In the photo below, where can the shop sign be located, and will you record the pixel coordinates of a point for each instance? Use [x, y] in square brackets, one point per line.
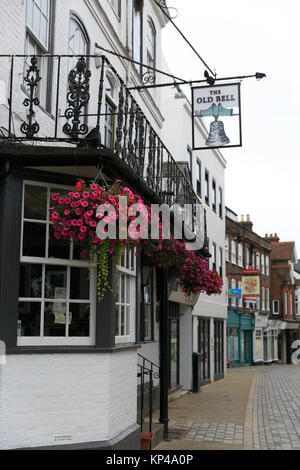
[219, 108]
[261, 321]
[251, 288]
[235, 293]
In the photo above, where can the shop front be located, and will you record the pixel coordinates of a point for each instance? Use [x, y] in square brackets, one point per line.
[204, 350]
[219, 349]
[266, 340]
[289, 333]
[239, 337]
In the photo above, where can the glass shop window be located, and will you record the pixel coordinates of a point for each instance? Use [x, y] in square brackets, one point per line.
[126, 298]
[57, 290]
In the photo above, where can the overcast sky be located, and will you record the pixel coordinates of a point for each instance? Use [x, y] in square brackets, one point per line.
[240, 38]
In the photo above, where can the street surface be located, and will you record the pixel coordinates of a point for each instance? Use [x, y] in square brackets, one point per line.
[252, 408]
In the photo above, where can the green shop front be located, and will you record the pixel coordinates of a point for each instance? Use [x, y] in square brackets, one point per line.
[240, 328]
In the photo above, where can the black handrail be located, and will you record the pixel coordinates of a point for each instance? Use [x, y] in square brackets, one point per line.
[147, 369]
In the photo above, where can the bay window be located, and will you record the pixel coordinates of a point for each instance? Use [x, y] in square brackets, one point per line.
[125, 298]
[57, 289]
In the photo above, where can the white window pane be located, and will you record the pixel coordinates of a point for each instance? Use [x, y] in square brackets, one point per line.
[44, 7]
[43, 31]
[29, 13]
[127, 321]
[36, 21]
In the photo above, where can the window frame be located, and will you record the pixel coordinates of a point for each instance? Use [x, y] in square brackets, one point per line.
[138, 67]
[116, 8]
[46, 261]
[151, 26]
[76, 18]
[198, 181]
[267, 265]
[130, 274]
[247, 257]
[227, 257]
[221, 262]
[214, 256]
[206, 188]
[233, 252]
[214, 195]
[45, 64]
[257, 264]
[220, 202]
[273, 307]
[267, 299]
[240, 255]
[263, 299]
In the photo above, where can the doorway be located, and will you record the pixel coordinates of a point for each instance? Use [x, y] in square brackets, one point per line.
[204, 350]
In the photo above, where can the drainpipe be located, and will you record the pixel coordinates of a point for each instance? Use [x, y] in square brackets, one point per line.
[164, 351]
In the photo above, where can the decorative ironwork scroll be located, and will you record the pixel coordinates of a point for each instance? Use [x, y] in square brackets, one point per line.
[149, 78]
[31, 79]
[78, 98]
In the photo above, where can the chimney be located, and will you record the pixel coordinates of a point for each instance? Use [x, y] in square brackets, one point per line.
[272, 238]
[247, 224]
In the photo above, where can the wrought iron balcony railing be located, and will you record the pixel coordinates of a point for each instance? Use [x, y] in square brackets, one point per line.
[95, 104]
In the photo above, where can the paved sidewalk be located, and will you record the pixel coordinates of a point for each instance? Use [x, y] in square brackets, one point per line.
[252, 408]
[215, 418]
[276, 413]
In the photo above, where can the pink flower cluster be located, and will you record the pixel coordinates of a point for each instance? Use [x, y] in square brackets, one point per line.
[74, 215]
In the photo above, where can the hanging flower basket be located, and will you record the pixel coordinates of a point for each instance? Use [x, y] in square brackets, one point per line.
[94, 217]
[75, 216]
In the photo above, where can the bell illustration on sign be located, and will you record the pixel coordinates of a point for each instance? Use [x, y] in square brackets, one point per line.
[218, 107]
[217, 134]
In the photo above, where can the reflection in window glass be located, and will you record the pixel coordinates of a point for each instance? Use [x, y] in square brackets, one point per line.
[56, 282]
[30, 281]
[35, 203]
[62, 289]
[79, 320]
[80, 284]
[34, 240]
[55, 319]
[29, 319]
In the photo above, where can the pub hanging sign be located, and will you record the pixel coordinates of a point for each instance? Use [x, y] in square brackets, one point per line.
[219, 108]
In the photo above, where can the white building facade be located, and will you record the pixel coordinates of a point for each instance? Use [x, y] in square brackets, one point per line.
[62, 386]
[203, 325]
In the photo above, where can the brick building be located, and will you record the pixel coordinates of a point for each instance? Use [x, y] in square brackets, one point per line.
[283, 259]
[250, 336]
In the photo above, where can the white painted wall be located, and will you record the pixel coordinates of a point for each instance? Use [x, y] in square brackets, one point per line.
[89, 397]
[104, 28]
[177, 134]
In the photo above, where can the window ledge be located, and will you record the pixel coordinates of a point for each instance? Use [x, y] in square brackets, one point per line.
[71, 349]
